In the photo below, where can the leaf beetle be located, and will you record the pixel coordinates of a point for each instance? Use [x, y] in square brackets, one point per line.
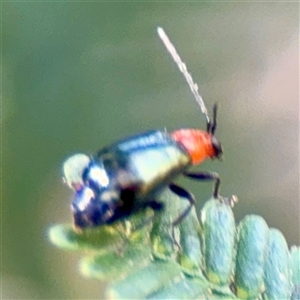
[127, 176]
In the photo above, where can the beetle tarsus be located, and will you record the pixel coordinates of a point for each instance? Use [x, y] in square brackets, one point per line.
[231, 201]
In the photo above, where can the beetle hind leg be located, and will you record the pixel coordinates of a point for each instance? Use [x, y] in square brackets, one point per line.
[155, 205]
[181, 192]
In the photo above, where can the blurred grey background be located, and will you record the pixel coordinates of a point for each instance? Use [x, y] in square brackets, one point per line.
[77, 76]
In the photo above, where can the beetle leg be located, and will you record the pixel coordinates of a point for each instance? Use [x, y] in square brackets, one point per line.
[181, 192]
[155, 205]
[211, 176]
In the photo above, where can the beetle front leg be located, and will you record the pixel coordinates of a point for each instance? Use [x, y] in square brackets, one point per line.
[207, 176]
[212, 176]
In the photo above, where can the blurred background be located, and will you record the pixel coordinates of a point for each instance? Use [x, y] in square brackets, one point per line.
[78, 76]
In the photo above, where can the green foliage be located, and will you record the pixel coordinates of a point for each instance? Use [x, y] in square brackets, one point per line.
[251, 249]
[218, 227]
[209, 259]
[295, 272]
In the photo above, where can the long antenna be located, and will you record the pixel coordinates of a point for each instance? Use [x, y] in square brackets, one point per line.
[183, 69]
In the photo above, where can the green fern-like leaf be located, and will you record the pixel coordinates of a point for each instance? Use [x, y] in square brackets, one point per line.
[209, 259]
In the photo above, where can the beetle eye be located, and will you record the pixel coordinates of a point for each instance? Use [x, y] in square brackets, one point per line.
[73, 168]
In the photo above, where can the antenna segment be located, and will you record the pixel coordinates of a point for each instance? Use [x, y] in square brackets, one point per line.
[183, 69]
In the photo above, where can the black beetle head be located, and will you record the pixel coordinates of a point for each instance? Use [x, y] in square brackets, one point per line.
[217, 147]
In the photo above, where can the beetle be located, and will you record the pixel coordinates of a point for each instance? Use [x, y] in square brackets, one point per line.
[127, 176]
